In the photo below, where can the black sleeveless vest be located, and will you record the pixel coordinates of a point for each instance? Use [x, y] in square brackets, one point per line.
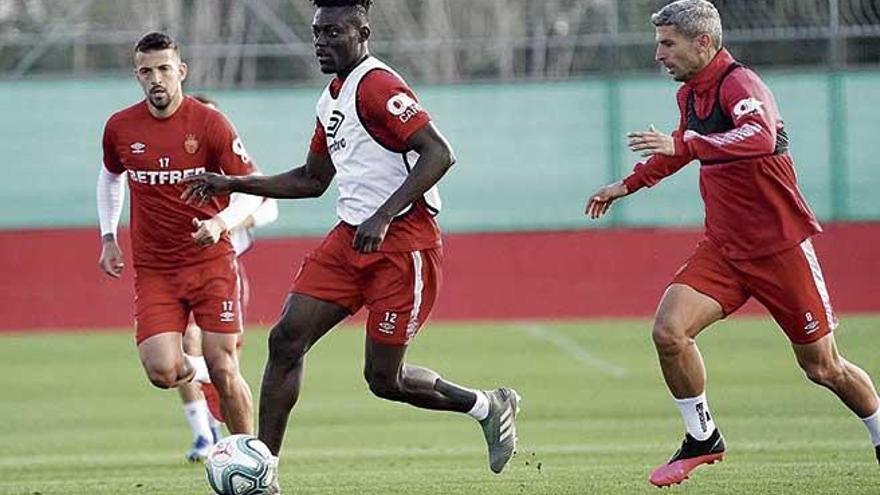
[718, 121]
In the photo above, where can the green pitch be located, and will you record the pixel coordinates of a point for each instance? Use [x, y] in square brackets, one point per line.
[77, 416]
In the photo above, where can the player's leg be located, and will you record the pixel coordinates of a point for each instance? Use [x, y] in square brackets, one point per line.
[682, 314]
[798, 299]
[400, 296]
[235, 395]
[162, 358]
[390, 378]
[823, 365]
[195, 408]
[160, 320]
[703, 292]
[303, 322]
[213, 293]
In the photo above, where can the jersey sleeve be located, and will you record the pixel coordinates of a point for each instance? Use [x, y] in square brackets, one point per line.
[755, 118]
[227, 149]
[318, 144]
[657, 167]
[389, 109]
[111, 158]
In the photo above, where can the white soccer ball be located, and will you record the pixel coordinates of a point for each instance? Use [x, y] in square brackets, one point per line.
[241, 465]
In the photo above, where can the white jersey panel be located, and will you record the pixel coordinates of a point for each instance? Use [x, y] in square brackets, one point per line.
[367, 173]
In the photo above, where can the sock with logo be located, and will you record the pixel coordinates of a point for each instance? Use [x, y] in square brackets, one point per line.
[197, 418]
[872, 423]
[697, 420]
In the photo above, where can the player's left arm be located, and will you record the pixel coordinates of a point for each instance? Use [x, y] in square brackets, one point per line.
[752, 108]
[232, 159]
[435, 158]
[264, 215]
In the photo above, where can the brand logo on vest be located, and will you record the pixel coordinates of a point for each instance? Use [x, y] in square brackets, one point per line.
[332, 129]
[336, 120]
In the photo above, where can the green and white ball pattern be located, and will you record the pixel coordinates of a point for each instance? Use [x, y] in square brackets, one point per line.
[240, 465]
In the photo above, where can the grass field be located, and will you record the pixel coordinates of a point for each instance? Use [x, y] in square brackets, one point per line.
[77, 417]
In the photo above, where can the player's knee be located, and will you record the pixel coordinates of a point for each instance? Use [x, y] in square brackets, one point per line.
[669, 337]
[827, 374]
[163, 377]
[285, 346]
[384, 385]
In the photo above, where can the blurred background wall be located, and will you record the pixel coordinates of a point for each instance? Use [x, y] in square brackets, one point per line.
[535, 96]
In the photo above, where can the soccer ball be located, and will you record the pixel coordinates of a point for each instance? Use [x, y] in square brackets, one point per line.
[241, 465]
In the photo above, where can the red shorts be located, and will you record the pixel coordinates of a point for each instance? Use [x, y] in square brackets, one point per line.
[398, 288]
[788, 283]
[165, 298]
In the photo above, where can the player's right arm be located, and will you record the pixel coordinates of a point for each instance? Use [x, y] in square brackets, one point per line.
[308, 181]
[667, 154]
[110, 196]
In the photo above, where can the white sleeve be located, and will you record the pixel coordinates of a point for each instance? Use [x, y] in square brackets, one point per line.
[266, 213]
[240, 207]
[110, 195]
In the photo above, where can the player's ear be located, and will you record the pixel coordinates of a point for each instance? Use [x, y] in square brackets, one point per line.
[704, 41]
[184, 70]
[365, 33]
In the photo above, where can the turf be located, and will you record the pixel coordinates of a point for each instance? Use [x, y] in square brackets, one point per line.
[78, 417]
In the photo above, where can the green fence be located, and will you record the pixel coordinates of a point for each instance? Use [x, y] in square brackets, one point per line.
[528, 153]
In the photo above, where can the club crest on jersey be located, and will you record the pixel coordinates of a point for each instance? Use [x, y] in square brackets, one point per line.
[138, 148]
[191, 144]
[403, 107]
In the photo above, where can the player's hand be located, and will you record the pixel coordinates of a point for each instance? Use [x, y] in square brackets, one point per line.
[601, 200]
[651, 142]
[201, 188]
[208, 232]
[371, 233]
[111, 261]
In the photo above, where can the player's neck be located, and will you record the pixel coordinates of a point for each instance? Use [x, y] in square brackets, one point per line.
[168, 111]
[350, 67]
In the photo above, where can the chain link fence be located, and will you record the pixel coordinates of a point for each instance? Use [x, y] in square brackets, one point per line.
[246, 43]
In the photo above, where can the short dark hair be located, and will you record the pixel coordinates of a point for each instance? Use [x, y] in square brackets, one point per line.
[364, 4]
[155, 41]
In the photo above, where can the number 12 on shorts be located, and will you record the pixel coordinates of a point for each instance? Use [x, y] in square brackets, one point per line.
[389, 323]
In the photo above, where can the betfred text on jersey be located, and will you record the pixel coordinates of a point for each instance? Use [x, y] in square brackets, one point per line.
[163, 177]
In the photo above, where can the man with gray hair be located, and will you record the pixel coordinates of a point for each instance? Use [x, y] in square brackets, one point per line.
[757, 231]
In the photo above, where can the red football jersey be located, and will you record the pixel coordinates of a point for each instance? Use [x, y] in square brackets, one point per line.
[417, 229]
[156, 154]
[754, 207]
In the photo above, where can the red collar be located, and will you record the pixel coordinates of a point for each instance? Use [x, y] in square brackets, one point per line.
[707, 78]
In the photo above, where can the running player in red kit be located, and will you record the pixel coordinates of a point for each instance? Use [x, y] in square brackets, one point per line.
[183, 258]
[758, 230]
[385, 253]
[201, 403]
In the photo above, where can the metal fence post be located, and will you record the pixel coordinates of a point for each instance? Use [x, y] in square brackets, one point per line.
[612, 117]
[837, 115]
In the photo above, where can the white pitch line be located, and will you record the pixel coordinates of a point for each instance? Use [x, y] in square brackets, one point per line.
[573, 349]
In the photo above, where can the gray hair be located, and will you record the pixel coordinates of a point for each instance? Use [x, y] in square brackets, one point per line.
[692, 18]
